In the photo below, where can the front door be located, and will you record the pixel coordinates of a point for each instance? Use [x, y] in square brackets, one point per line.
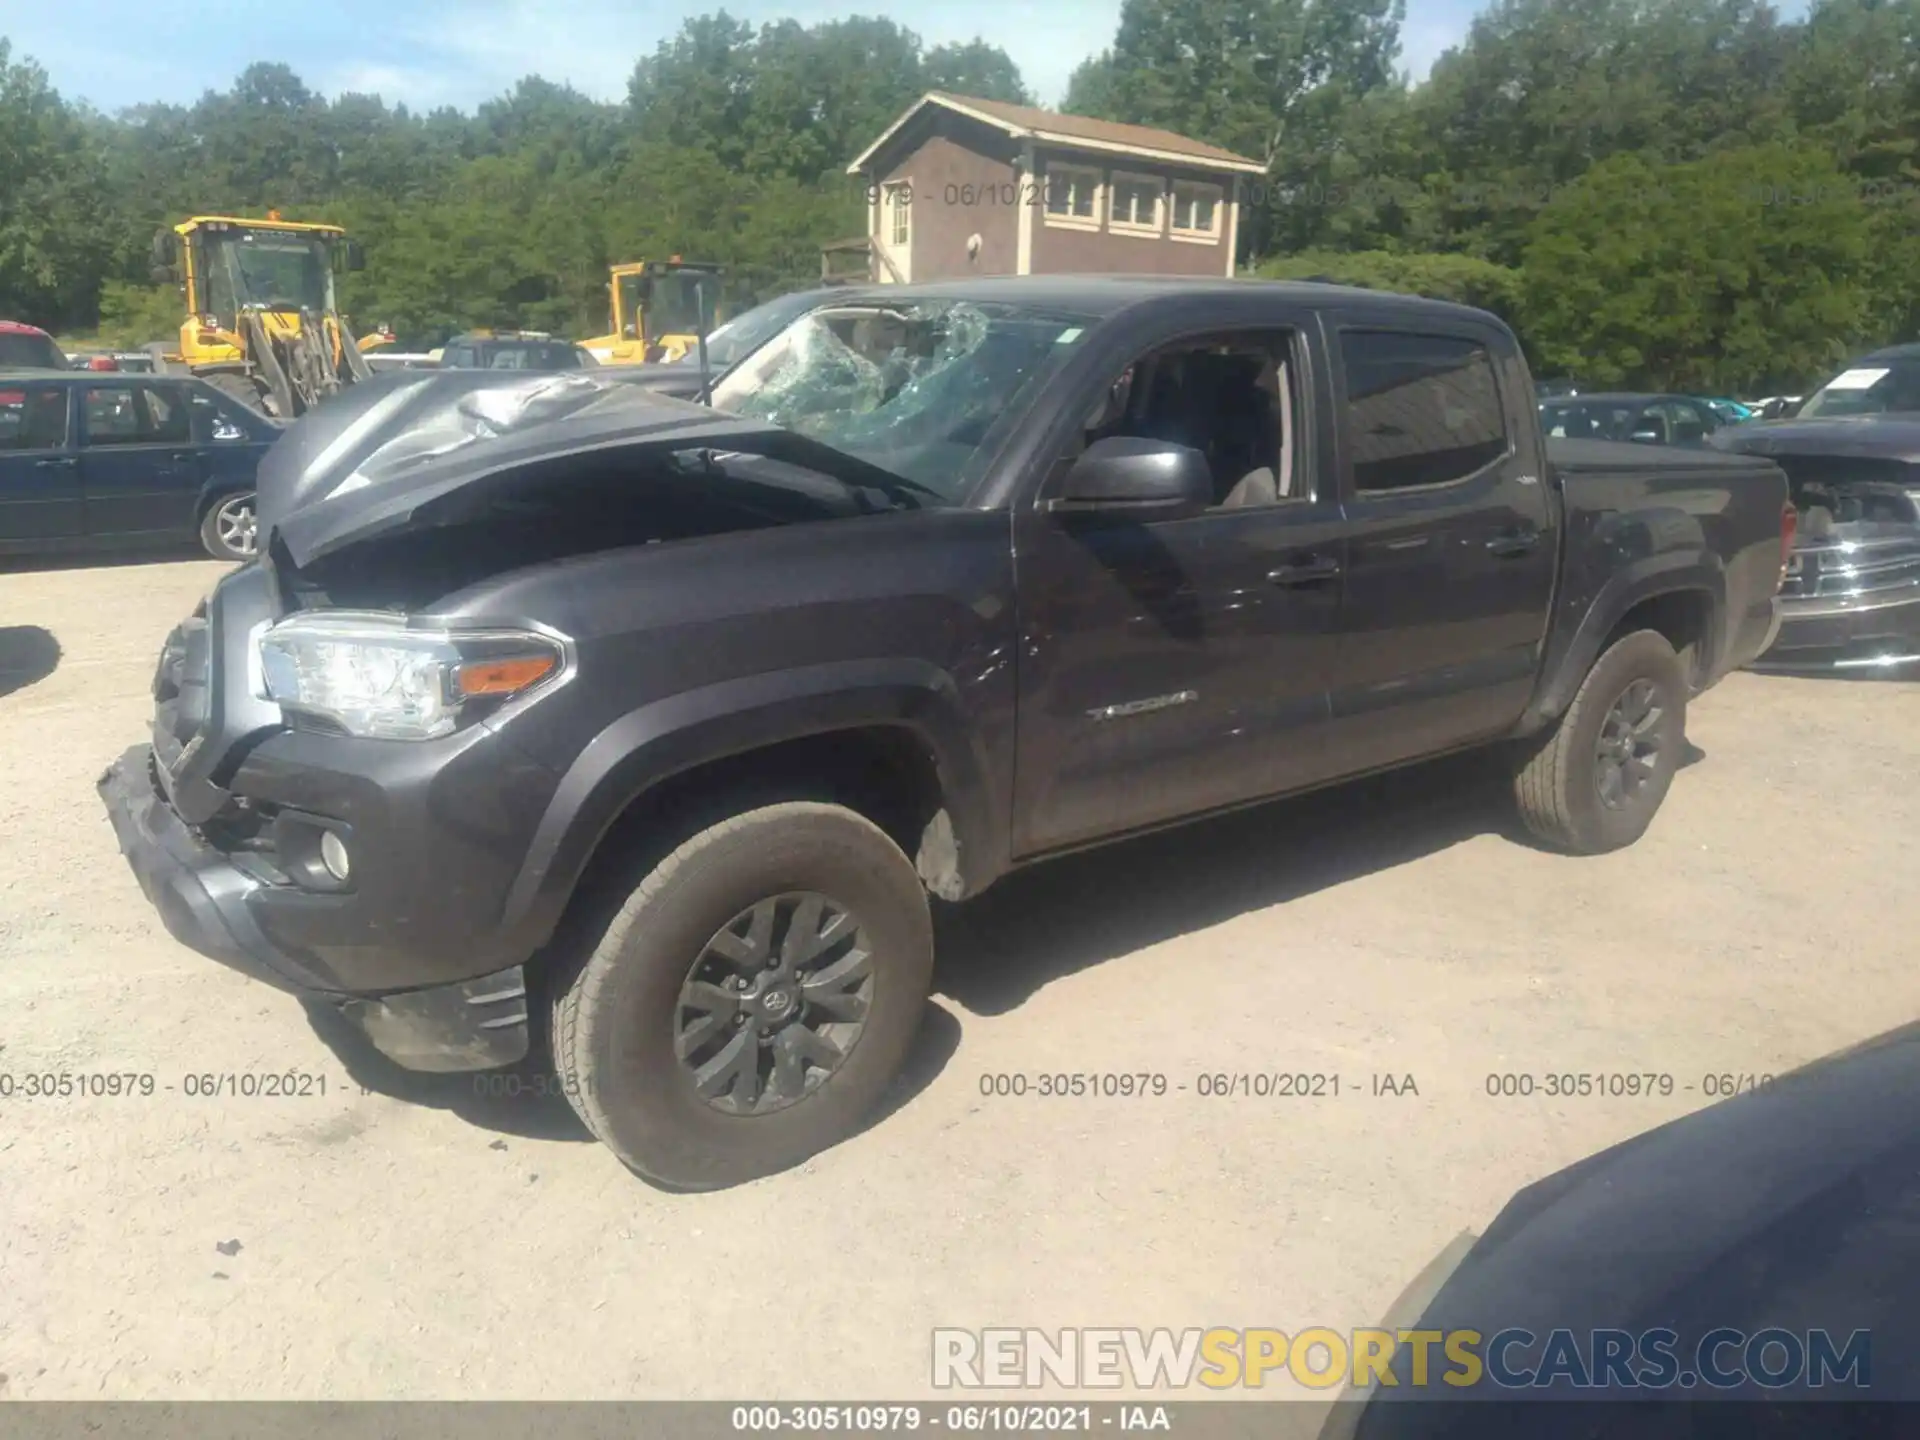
[39, 475]
[1451, 566]
[1173, 667]
[139, 466]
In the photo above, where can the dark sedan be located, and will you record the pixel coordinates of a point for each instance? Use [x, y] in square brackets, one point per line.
[1648, 419]
[100, 458]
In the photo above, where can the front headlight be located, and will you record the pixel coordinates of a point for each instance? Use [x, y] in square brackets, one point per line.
[382, 677]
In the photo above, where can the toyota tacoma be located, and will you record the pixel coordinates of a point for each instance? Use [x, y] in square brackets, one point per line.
[560, 718]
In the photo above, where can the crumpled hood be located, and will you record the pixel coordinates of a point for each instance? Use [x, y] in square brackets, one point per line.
[364, 462]
[1878, 437]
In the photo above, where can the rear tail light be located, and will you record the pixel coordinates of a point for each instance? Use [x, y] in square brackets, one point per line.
[1789, 529]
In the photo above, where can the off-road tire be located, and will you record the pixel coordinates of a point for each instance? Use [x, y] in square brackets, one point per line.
[612, 1019]
[239, 387]
[1557, 786]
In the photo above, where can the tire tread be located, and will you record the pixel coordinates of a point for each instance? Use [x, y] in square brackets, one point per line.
[1544, 786]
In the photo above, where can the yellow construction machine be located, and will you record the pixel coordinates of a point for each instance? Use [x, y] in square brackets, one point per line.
[261, 320]
[659, 308]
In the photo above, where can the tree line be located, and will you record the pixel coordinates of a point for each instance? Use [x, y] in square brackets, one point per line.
[1694, 194]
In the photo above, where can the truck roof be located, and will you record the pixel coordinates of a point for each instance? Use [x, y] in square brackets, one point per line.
[1103, 295]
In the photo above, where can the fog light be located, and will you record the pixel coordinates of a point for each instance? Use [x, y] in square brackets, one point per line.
[333, 855]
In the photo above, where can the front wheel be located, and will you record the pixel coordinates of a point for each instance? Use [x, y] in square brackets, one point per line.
[230, 530]
[1595, 783]
[752, 999]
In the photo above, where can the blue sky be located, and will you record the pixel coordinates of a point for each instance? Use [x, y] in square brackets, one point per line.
[115, 53]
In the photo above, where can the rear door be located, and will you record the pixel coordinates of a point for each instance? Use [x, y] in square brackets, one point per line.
[39, 475]
[140, 469]
[1450, 565]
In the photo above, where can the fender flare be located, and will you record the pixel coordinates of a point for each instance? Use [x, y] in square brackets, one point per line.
[671, 736]
[1696, 571]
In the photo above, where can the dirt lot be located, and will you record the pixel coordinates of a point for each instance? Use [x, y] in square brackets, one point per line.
[426, 1239]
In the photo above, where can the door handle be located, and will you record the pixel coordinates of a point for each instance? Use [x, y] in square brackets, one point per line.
[1514, 542]
[65, 463]
[1309, 571]
[189, 456]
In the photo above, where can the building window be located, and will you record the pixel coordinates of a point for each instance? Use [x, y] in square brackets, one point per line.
[1138, 203]
[1073, 197]
[1196, 211]
[897, 203]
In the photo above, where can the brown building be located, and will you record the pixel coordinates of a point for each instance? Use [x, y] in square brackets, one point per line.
[958, 186]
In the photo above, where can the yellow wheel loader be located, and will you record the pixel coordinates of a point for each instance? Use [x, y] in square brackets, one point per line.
[657, 311]
[261, 320]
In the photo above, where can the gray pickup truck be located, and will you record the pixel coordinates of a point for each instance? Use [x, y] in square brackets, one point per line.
[556, 712]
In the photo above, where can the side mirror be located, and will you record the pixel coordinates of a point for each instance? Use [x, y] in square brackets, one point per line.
[356, 256]
[1145, 479]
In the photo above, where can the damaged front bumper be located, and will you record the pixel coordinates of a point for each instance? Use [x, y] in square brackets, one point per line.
[208, 904]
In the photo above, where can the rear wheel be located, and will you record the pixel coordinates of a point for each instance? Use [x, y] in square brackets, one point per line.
[1597, 781]
[752, 999]
[230, 530]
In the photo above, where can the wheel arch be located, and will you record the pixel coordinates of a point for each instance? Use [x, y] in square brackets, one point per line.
[886, 738]
[1683, 597]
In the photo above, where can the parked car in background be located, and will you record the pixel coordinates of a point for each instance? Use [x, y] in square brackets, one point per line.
[1851, 601]
[1643, 419]
[1885, 382]
[1554, 389]
[102, 459]
[1732, 412]
[946, 581]
[1777, 407]
[131, 362]
[513, 350]
[27, 347]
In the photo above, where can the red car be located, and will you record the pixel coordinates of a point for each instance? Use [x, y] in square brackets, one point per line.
[22, 347]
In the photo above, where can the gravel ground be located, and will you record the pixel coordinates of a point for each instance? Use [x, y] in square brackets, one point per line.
[427, 1239]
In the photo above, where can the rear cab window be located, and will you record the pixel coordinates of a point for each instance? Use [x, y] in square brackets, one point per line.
[1421, 410]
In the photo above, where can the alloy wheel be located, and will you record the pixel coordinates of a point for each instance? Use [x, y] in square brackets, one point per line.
[1627, 754]
[237, 526]
[775, 1003]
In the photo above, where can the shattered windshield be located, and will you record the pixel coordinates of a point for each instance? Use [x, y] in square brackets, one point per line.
[269, 269]
[745, 333]
[914, 389]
